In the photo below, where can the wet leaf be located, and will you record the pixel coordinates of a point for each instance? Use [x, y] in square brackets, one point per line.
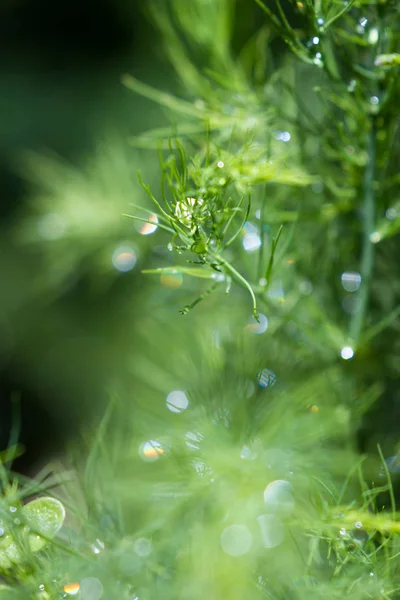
[41, 520]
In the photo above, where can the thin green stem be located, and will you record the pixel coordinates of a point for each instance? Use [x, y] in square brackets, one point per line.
[151, 212]
[240, 278]
[262, 235]
[389, 480]
[286, 31]
[225, 229]
[385, 322]
[189, 307]
[367, 257]
[339, 14]
[160, 225]
[274, 246]
[233, 238]
[270, 14]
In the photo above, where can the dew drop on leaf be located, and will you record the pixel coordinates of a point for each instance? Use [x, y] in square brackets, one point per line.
[272, 530]
[91, 588]
[278, 498]
[266, 378]
[177, 401]
[236, 540]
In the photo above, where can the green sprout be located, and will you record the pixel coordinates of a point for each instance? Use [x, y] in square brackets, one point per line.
[204, 213]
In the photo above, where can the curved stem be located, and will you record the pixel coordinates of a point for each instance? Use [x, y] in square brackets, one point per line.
[236, 275]
[367, 257]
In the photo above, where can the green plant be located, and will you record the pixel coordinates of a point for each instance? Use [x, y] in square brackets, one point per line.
[234, 470]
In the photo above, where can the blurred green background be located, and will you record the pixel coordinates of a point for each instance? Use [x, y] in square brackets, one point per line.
[68, 172]
[60, 70]
[71, 321]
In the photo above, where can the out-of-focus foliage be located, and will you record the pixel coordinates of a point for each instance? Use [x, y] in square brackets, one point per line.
[227, 463]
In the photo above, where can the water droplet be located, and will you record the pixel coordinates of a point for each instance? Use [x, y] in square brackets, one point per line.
[342, 531]
[41, 587]
[282, 136]
[320, 21]
[351, 281]
[257, 327]
[143, 547]
[247, 454]
[177, 401]
[347, 352]
[236, 540]
[315, 40]
[91, 588]
[193, 439]
[149, 228]
[219, 277]
[13, 509]
[72, 588]
[360, 27]
[1, 531]
[202, 469]
[278, 498]
[251, 242]
[373, 36]
[97, 546]
[372, 574]
[220, 164]
[170, 247]
[272, 530]
[17, 522]
[391, 214]
[318, 56]
[151, 450]
[318, 60]
[375, 237]
[352, 85]
[263, 282]
[374, 100]
[171, 279]
[266, 378]
[358, 524]
[124, 259]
